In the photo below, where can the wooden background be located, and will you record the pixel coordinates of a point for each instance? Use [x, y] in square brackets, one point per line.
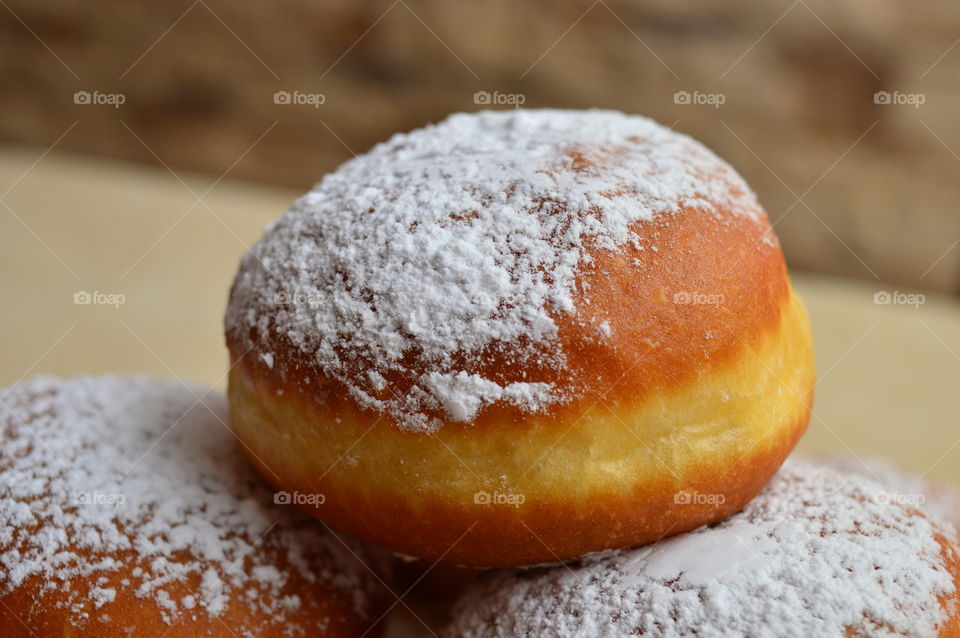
[855, 187]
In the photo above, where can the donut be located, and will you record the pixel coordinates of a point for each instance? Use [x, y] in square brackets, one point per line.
[127, 510]
[521, 336]
[817, 553]
[937, 499]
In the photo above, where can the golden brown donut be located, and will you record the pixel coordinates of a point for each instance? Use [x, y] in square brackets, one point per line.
[817, 553]
[516, 337]
[126, 510]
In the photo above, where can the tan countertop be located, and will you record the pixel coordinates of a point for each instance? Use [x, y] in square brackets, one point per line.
[890, 374]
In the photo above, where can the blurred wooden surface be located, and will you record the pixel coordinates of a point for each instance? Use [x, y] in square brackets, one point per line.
[857, 188]
[69, 225]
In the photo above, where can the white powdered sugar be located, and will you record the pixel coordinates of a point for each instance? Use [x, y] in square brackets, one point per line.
[938, 499]
[458, 244]
[818, 553]
[461, 395]
[117, 484]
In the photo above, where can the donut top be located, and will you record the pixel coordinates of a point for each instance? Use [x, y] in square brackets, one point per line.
[99, 475]
[937, 499]
[409, 266]
[816, 553]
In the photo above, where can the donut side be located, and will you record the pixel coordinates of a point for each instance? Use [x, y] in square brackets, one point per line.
[691, 357]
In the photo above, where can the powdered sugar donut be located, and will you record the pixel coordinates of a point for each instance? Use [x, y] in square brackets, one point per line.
[518, 336]
[818, 553]
[938, 499]
[127, 510]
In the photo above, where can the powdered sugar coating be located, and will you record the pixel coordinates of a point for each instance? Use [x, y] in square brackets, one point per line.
[936, 499]
[455, 243]
[98, 475]
[817, 553]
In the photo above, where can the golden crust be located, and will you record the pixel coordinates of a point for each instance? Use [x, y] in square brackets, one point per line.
[33, 611]
[951, 604]
[592, 476]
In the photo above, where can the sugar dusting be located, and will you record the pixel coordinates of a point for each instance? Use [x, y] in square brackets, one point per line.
[816, 553]
[130, 484]
[937, 499]
[459, 242]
